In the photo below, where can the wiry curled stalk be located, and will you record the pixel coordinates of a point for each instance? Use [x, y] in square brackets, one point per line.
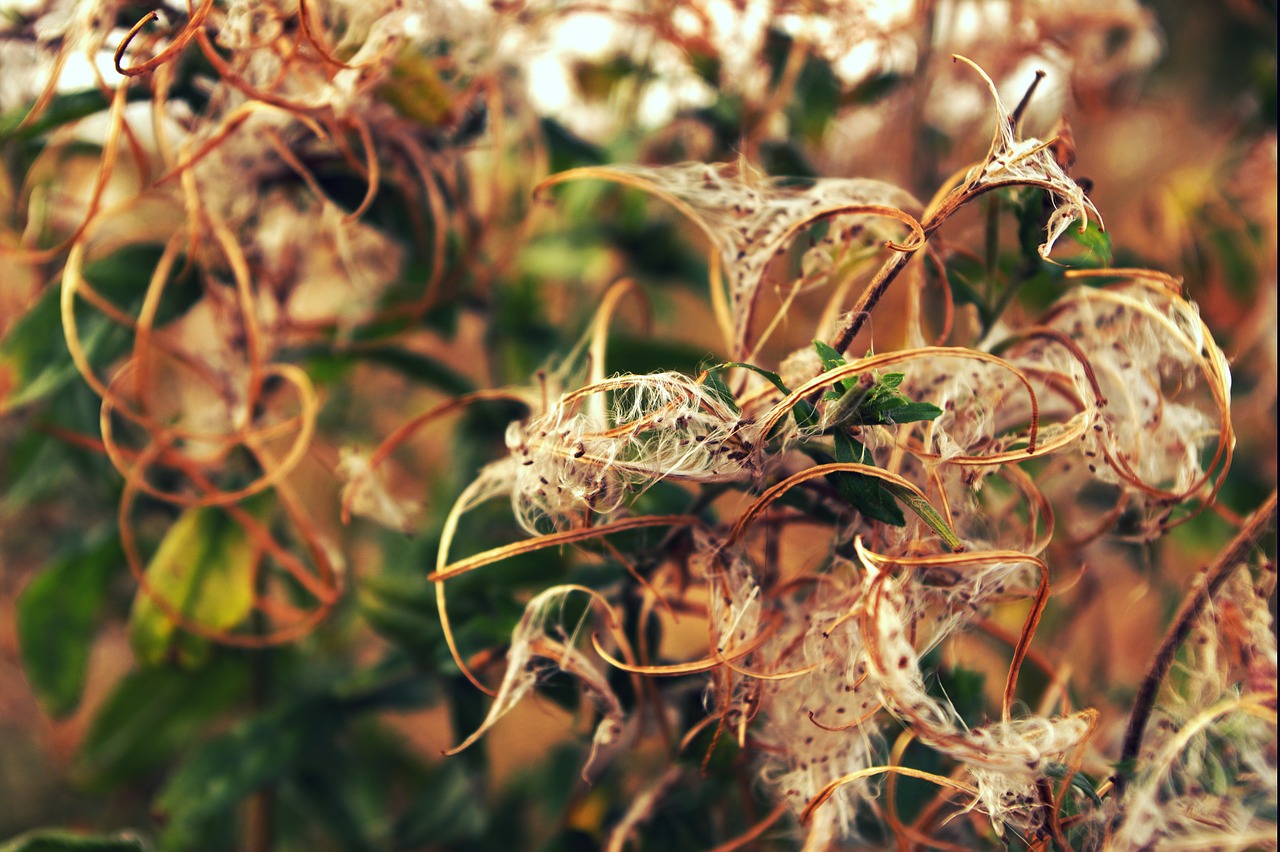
[1200, 595]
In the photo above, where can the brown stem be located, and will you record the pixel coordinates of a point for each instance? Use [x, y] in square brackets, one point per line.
[1021, 108]
[960, 196]
[1052, 822]
[867, 301]
[1201, 593]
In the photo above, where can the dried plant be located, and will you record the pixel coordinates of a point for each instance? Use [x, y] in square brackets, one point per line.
[282, 228]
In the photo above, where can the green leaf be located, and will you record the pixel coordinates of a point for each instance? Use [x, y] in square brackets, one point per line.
[774, 378]
[716, 386]
[326, 804]
[865, 493]
[566, 150]
[63, 109]
[61, 840]
[849, 402]
[415, 90]
[57, 618]
[927, 513]
[1096, 241]
[204, 568]
[597, 80]
[1082, 783]
[1078, 780]
[873, 88]
[878, 405]
[829, 356]
[965, 275]
[965, 690]
[890, 381]
[226, 769]
[633, 354]
[830, 360]
[818, 96]
[34, 359]
[874, 498]
[153, 713]
[448, 809]
[399, 609]
[910, 412]
[784, 158]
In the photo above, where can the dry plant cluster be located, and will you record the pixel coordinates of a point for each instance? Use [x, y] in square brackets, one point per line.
[845, 516]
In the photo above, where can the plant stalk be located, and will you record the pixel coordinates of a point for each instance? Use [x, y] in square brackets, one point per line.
[1192, 606]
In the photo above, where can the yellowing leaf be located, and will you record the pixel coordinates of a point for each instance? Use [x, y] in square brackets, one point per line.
[203, 570]
[416, 91]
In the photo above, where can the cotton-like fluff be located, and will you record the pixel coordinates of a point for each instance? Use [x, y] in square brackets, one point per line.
[596, 446]
[1004, 757]
[1166, 385]
[532, 653]
[803, 690]
[1029, 162]
[819, 723]
[751, 218]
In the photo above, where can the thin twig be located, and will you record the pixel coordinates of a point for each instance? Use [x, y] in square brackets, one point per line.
[1201, 593]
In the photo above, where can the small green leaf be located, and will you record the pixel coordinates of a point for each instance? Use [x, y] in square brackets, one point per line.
[874, 498]
[401, 608]
[805, 413]
[829, 356]
[57, 619]
[891, 381]
[567, 150]
[812, 113]
[204, 568]
[415, 90]
[1079, 780]
[597, 80]
[784, 159]
[34, 359]
[848, 405]
[716, 386]
[873, 88]
[635, 354]
[774, 378]
[61, 840]
[879, 405]
[63, 109]
[830, 360]
[965, 690]
[413, 365]
[1082, 783]
[1096, 240]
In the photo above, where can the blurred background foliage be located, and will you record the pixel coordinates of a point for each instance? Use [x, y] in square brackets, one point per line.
[114, 719]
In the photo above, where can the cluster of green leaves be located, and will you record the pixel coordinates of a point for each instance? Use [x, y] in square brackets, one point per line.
[870, 400]
[874, 400]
